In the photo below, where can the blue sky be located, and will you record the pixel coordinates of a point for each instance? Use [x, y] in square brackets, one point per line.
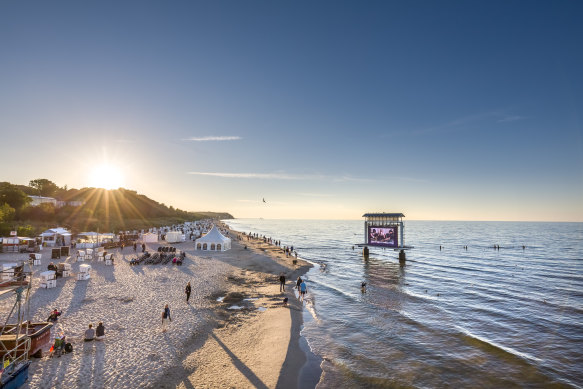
[458, 110]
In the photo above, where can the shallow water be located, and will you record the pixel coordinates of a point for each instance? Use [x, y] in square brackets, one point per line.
[452, 317]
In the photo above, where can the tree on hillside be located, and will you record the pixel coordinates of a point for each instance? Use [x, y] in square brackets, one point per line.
[44, 187]
[12, 196]
[6, 213]
[44, 212]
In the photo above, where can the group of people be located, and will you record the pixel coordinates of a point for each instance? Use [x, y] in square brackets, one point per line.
[95, 334]
[60, 344]
[300, 286]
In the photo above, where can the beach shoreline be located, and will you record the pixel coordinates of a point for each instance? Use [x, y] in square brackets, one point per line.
[207, 344]
[271, 344]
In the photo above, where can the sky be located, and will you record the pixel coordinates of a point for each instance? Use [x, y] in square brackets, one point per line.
[441, 110]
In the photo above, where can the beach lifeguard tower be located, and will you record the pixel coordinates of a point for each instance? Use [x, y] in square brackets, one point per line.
[384, 230]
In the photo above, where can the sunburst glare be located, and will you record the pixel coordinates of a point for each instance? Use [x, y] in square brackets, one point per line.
[106, 176]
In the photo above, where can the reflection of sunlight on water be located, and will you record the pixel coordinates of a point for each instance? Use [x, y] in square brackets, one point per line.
[310, 305]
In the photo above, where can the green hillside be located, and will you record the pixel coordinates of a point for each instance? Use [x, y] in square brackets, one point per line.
[101, 210]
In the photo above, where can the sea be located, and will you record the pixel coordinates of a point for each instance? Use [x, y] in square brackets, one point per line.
[457, 313]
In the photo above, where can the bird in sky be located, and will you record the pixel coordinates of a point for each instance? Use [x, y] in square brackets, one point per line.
[264, 200]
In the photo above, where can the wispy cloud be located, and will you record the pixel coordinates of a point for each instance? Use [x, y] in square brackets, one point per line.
[453, 125]
[264, 176]
[213, 138]
[511, 119]
[460, 124]
[282, 176]
[298, 177]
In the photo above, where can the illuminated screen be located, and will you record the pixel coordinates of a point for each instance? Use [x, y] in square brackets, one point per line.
[382, 236]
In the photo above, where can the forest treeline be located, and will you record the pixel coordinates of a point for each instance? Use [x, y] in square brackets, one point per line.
[100, 210]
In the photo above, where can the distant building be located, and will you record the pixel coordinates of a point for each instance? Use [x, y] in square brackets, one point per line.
[38, 200]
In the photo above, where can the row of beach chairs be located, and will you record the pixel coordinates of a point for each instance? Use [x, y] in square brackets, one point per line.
[156, 258]
[166, 249]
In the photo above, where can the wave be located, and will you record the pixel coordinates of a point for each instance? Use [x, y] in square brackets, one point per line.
[489, 345]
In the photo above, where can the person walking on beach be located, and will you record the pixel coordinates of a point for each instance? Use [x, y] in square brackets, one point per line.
[282, 282]
[166, 318]
[187, 290]
[298, 283]
[135, 247]
[303, 290]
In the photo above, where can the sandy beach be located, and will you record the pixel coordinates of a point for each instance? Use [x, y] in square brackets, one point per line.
[234, 333]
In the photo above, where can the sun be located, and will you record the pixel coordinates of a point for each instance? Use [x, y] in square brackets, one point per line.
[106, 177]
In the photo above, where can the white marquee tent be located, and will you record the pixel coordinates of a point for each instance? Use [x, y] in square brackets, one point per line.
[149, 237]
[174, 236]
[55, 236]
[214, 241]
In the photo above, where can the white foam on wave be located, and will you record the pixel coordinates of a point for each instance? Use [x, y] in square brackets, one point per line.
[221, 299]
[509, 350]
[235, 307]
[262, 309]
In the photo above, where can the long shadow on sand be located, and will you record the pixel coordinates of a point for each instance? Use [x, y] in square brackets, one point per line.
[87, 360]
[241, 366]
[107, 272]
[49, 296]
[291, 363]
[79, 293]
[190, 345]
[303, 372]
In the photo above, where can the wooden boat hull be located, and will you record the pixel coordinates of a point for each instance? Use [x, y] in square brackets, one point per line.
[39, 333]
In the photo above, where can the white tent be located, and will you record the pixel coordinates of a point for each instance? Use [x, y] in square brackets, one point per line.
[56, 235]
[174, 236]
[87, 240]
[149, 237]
[214, 241]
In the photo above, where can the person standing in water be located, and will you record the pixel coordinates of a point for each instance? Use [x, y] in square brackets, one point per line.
[298, 283]
[187, 290]
[303, 290]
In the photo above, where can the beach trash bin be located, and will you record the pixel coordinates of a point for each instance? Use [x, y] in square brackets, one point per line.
[55, 253]
[65, 251]
[80, 256]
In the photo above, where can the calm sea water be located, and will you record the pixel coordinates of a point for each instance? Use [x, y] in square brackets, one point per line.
[448, 318]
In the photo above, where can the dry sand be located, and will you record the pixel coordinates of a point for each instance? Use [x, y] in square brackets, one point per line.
[207, 344]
